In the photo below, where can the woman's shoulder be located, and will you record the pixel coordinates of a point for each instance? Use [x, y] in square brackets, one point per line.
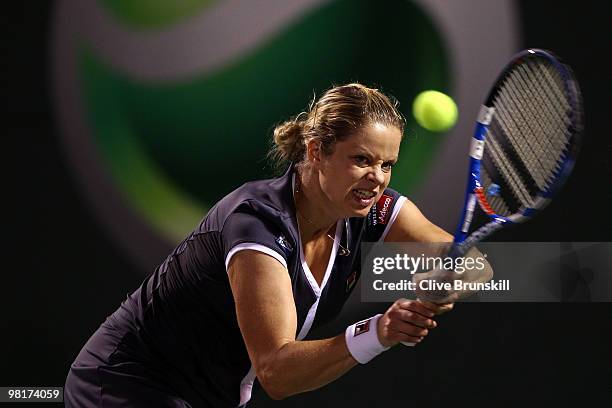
[265, 199]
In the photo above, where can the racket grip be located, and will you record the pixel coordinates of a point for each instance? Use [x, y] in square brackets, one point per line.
[407, 343]
[457, 250]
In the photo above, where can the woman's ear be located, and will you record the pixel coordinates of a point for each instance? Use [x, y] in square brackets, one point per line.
[313, 150]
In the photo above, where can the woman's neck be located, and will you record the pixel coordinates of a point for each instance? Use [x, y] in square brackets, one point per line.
[313, 216]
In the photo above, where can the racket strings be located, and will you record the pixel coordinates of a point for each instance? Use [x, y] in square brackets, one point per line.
[535, 143]
[524, 142]
[549, 90]
[554, 85]
[501, 161]
[566, 114]
[557, 115]
[530, 132]
[536, 110]
[547, 87]
[506, 124]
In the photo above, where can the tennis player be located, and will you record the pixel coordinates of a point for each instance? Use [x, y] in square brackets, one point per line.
[229, 309]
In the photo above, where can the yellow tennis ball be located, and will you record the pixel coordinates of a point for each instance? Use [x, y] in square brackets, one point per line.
[434, 111]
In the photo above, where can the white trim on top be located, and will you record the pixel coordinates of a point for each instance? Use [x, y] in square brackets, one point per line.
[330, 264]
[394, 214]
[317, 290]
[255, 247]
[246, 385]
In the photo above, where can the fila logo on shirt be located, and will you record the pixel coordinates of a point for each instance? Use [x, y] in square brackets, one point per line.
[382, 208]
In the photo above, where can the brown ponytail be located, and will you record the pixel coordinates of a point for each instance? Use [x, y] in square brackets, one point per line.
[289, 142]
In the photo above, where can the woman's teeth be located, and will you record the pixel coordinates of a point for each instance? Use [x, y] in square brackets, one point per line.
[365, 194]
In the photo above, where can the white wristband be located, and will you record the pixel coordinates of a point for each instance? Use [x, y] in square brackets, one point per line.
[362, 340]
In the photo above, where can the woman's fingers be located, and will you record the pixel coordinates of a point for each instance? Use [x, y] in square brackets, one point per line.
[437, 308]
[416, 306]
[405, 321]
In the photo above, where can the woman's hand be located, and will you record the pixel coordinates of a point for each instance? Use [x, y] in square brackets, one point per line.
[447, 294]
[407, 321]
[438, 308]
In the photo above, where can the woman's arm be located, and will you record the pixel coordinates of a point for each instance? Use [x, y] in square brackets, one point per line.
[267, 318]
[412, 226]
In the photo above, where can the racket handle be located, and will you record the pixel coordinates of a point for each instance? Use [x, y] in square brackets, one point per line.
[406, 343]
[457, 250]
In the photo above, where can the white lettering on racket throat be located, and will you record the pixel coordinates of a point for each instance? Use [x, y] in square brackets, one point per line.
[469, 213]
[485, 114]
[477, 148]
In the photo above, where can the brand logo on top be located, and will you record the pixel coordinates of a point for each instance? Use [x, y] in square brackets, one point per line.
[284, 244]
[382, 209]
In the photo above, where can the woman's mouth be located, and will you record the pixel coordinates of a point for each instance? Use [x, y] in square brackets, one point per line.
[364, 198]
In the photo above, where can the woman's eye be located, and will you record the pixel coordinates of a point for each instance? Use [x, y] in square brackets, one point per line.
[387, 166]
[361, 160]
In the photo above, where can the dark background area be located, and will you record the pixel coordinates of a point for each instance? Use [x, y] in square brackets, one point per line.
[62, 275]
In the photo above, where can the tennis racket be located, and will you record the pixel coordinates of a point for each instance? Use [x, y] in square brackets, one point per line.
[527, 137]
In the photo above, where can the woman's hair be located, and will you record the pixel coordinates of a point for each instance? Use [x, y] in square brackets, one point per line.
[339, 112]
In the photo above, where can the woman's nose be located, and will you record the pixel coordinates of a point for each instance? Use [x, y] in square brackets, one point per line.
[376, 175]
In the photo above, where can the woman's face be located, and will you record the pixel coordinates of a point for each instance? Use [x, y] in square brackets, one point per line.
[356, 174]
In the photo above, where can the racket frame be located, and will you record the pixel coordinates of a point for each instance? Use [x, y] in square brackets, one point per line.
[475, 192]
